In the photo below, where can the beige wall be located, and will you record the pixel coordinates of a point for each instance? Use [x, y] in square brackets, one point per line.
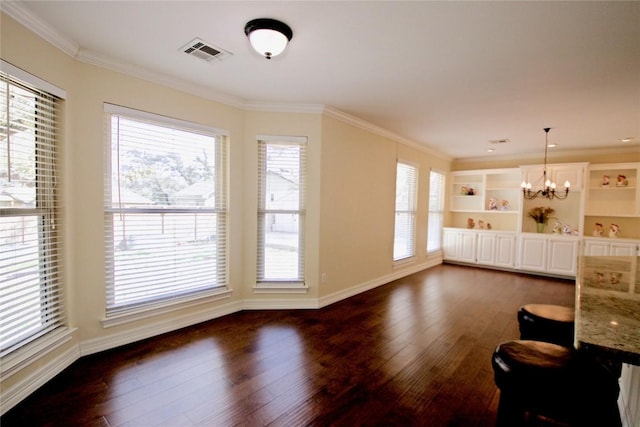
[349, 217]
[357, 204]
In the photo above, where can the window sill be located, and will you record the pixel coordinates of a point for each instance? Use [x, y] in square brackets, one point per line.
[280, 288]
[165, 307]
[404, 262]
[18, 359]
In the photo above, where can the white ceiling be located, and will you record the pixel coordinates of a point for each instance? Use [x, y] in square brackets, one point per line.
[449, 75]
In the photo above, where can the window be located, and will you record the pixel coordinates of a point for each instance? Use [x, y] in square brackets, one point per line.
[281, 196]
[31, 300]
[436, 211]
[405, 224]
[165, 210]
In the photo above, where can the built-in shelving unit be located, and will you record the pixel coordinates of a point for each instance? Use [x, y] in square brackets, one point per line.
[489, 197]
[511, 241]
[613, 198]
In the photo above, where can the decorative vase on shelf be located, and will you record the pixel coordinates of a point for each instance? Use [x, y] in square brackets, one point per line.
[540, 227]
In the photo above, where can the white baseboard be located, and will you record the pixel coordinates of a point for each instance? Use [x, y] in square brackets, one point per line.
[15, 394]
[363, 287]
[280, 304]
[96, 345]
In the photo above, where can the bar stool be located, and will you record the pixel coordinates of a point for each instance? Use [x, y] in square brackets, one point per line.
[541, 380]
[546, 322]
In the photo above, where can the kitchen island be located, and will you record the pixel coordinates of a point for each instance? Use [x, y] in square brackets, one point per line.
[608, 322]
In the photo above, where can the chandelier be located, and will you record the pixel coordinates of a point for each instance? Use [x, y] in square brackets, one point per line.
[549, 189]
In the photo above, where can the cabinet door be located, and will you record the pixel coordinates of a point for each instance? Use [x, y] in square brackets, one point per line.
[450, 245]
[572, 173]
[623, 249]
[596, 248]
[467, 245]
[505, 249]
[533, 253]
[486, 249]
[563, 256]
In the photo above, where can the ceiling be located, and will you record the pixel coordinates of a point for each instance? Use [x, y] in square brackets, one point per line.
[449, 75]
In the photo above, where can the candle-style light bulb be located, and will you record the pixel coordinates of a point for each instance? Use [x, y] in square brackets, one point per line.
[567, 184]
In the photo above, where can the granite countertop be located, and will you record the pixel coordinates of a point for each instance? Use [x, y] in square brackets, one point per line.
[608, 307]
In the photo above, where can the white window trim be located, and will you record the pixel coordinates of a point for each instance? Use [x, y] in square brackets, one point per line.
[166, 307]
[171, 121]
[35, 350]
[436, 252]
[127, 315]
[26, 77]
[402, 262]
[284, 286]
[49, 340]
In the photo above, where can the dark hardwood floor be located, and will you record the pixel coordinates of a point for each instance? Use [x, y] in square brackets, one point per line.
[414, 352]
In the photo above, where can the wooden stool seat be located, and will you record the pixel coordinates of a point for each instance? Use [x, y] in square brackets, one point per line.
[546, 322]
[539, 380]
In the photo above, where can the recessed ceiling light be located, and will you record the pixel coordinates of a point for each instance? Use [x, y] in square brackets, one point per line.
[552, 145]
[490, 150]
[627, 139]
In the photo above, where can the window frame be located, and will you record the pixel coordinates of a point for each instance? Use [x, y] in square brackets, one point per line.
[411, 209]
[275, 284]
[116, 314]
[52, 330]
[436, 211]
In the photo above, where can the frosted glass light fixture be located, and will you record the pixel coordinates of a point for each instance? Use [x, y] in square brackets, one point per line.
[268, 37]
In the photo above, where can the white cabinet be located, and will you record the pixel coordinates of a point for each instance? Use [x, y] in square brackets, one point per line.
[459, 245]
[598, 246]
[532, 253]
[562, 256]
[556, 172]
[548, 254]
[485, 247]
[601, 197]
[496, 249]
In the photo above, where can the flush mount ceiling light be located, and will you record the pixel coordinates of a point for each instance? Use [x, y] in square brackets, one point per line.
[549, 189]
[268, 37]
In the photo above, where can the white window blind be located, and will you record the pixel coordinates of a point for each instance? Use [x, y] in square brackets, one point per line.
[281, 196]
[165, 210]
[31, 299]
[436, 211]
[405, 223]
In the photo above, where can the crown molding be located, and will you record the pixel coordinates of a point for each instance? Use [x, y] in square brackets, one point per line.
[158, 78]
[362, 124]
[22, 15]
[283, 108]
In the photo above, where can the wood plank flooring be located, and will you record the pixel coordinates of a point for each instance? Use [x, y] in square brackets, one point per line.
[415, 352]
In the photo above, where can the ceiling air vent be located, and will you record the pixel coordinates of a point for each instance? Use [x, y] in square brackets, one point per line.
[499, 141]
[203, 50]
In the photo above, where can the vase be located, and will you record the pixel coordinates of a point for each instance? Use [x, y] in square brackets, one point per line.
[540, 227]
